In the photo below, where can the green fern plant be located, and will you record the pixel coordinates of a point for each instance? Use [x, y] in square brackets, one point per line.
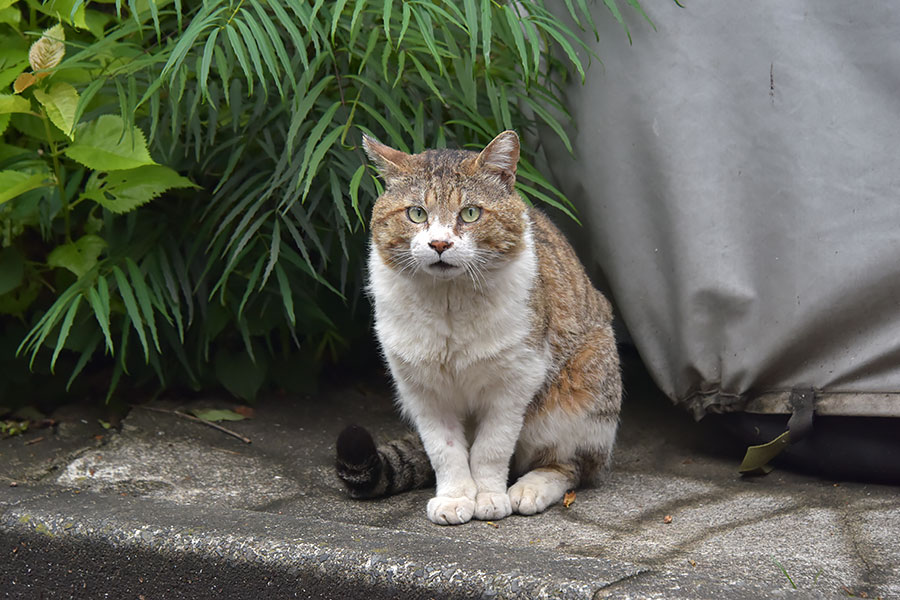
[246, 261]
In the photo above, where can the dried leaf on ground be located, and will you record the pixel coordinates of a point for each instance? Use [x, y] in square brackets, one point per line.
[569, 498]
[245, 411]
[667, 519]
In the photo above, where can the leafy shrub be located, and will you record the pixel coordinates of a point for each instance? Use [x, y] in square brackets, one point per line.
[182, 192]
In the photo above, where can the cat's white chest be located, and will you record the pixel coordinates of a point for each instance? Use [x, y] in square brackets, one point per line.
[448, 326]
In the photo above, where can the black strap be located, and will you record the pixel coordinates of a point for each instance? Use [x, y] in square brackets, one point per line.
[803, 406]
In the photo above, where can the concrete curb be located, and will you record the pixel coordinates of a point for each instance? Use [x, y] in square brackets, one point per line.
[310, 558]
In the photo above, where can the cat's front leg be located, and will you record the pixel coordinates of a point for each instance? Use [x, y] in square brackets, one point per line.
[445, 443]
[495, 440]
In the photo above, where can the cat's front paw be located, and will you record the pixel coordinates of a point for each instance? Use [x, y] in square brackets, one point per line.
[492, 505]
[444, 510]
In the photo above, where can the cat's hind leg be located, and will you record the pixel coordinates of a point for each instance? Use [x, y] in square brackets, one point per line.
[542, 487]
[570, 430]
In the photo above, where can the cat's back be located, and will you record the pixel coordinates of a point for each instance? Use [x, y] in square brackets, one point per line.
[564, 301]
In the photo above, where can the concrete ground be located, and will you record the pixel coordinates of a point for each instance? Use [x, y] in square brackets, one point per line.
[164, 507]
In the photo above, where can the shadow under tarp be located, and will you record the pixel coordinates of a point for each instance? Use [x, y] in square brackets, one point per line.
[738, 176]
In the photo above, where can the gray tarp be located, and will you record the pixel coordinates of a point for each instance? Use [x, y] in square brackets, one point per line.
[739, 181]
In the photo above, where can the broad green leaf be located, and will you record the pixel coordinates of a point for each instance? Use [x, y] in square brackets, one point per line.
[14, 104]
[63, 10]
[11, 16]
[240, 375]
[123, 191]
[60, 103]
[105, 145]
[13, 62]
[217, 414]
[20, 299]
[12, 269]
[79, 256]
[14, 183]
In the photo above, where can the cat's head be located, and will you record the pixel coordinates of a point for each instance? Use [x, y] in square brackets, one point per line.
[448, 213]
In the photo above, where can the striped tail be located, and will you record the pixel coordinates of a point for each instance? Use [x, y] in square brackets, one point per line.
[394, 467]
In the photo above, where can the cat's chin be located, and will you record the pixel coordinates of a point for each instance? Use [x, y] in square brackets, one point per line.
[443, 270]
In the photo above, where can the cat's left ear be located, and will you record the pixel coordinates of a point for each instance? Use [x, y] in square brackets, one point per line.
[501, 157]
[390, 162]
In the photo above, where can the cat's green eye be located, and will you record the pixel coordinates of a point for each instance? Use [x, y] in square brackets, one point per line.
[416, 214]
[470, 214]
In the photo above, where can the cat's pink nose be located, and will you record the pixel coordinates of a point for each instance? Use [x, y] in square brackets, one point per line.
[439, 245]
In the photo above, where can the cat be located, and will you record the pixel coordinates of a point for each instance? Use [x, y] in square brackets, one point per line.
[501, 350]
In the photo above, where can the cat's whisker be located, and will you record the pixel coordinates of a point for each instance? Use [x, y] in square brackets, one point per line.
[470, 271]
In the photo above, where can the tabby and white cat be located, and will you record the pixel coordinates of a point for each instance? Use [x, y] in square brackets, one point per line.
[501, 350]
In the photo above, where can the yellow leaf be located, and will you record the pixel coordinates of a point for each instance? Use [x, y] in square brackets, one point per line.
[23, 82]
[48, 52]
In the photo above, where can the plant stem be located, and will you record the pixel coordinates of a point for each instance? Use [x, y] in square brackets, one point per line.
[57, 169]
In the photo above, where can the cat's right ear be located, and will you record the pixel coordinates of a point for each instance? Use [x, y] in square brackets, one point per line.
[390, 162]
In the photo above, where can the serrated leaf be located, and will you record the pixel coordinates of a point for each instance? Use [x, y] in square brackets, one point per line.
[134, 314]
[79, 256]
[614, 9]
[123, 191]
[387, 11]
[215, 414]
[83, 360]
[287, 297]
[486, 32]
[106, 145]
[515, 27]
[142, 292]
[14, 104]
[14, 183]
[60, 102]
[101, 313]
[48, 51]
[64, 330]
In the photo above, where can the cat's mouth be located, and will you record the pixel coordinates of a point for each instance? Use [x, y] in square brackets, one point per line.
[442, 266]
